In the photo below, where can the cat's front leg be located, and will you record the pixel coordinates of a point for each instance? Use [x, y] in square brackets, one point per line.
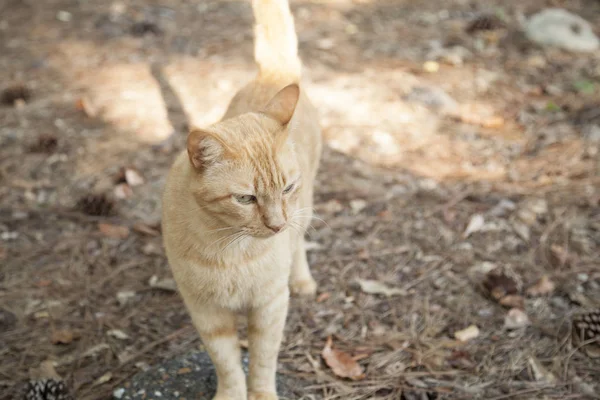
[217, 330]
[265, 331]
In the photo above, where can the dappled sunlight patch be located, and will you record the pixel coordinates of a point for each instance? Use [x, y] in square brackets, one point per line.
[399, 120]
[204, 88]
[128, 97]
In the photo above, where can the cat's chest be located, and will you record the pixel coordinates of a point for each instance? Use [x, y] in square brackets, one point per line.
[242, 282]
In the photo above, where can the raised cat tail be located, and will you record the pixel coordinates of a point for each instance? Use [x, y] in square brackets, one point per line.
[275, 41]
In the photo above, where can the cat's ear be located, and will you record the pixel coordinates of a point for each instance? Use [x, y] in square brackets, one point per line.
[282, 106]
[205, 148]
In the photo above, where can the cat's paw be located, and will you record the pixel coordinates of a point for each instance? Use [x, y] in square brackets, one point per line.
[305, 287]
[262, 396]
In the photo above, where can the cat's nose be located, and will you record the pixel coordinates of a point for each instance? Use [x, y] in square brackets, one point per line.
[276, 228]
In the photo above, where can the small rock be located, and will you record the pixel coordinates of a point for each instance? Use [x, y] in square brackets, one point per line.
[64, 16]
[560, 28]
[7, 320]
[151, 249]
[431, 66]
[9, 235]
[118, 393]
[433, 97]
[357, 205]
[516, 319]
[325, 43]
[122, 191]
[467, 334]
[124, 296]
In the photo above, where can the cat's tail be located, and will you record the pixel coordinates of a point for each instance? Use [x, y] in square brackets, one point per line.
[275, 41]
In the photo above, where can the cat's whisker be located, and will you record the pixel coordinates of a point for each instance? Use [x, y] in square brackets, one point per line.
[236, 240]
[296, 228]
[312, 217]
[223, 239]
[220, 229]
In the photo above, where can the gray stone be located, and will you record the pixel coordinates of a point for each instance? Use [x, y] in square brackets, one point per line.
[190, 377]
[433, 97]
[560, 28]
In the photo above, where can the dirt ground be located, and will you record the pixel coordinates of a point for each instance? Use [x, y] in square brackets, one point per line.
[452, 154]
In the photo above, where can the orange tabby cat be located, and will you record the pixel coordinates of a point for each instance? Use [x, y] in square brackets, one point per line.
[235, 209]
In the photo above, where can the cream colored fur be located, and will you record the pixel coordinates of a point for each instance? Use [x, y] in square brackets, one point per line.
[231, 252]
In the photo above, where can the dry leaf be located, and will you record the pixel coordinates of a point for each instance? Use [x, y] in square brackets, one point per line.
[494, 122]
[45, 370]
[540, 373]
[86, 106]
[475, 224]
[516, 319]
[145, 229]
[43, 283]
[543, 287]
[164, 284]
[376, 287]
[133, 177]
[118, 334]
[244, 343]
[113, 231]
[560, 253]
[364, 254]
[513, 301]
[103, 379]
[122, 191]
[464, 335]
[63, 336]
[342, 364]
[323, 296]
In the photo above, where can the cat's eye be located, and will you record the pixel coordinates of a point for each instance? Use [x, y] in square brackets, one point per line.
[245, 198]
[288, 189]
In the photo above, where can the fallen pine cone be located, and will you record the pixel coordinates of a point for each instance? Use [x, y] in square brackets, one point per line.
[501, 282]
[45, 143]
[13, 94]
[485, 23]
[95, 204]
[47, 389]
[586, 332]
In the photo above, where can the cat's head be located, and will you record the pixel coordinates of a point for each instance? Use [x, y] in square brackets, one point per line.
[245, 170]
